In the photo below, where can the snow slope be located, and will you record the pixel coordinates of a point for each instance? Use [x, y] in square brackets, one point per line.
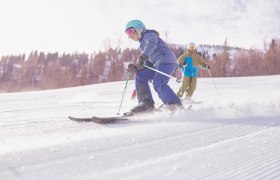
[233, 134]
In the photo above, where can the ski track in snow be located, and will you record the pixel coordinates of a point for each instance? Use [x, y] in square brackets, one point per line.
[231, 135]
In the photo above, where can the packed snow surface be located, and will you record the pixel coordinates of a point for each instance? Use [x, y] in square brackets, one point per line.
[233, 134]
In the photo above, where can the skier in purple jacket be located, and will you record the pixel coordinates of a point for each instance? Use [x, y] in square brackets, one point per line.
[156, 54]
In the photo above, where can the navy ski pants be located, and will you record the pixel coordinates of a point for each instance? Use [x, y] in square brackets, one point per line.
[165, 93]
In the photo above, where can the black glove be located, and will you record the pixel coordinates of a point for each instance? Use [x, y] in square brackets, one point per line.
[206, 67]
[131, 68]
[140, 61]
[180, 65]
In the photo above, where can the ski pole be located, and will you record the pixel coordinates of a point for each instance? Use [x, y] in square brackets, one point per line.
[177, 79]
[127, 78]
[213, 81]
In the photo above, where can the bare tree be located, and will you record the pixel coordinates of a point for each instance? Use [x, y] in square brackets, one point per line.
[166, 33]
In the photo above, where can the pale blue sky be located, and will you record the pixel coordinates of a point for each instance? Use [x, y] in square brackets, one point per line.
[84, 25]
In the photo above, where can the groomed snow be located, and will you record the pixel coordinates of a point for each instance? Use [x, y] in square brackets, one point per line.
[233, 134]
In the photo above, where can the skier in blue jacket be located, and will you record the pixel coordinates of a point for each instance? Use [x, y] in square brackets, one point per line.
[190, 63]
[156, 54]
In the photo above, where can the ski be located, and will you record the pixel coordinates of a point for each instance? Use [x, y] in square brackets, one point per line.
[100, 120]
[192, 102]
[127, 116]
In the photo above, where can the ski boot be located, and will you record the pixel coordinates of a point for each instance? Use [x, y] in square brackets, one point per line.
[171, 108]
[141, 107]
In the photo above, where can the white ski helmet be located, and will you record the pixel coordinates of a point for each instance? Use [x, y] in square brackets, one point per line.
[192, 46]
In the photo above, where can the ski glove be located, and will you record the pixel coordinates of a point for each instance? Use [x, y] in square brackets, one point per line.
[206, 66]
[131, 68]
[180, 65]
[140, 61]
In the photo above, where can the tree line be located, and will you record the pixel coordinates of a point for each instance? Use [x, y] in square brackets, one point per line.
[40, 71]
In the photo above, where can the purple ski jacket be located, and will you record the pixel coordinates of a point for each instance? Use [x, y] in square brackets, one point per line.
[156, 49]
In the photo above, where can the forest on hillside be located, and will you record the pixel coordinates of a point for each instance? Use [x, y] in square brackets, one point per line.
[40, 70]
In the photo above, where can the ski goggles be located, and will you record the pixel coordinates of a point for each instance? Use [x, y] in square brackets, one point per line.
[130, 32]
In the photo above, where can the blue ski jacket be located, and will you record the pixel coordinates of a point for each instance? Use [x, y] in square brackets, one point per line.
[190, 63]
[156, 49]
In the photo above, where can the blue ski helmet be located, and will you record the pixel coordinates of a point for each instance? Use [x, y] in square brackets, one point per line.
[137, 25]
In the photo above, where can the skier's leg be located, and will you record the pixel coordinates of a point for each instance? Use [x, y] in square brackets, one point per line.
[143, 90]
[180, 93]
[185, 84]
[165, 93]
[192, 86]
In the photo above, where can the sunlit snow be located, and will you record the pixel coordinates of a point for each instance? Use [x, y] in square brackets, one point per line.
[233, 134]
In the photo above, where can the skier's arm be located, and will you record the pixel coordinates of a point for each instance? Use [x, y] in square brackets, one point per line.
[181, 60]
[151, 40]
[201, 60]
[203, 63]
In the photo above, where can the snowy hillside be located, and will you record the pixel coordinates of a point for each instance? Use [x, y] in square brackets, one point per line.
[208, 52]
[233, 134]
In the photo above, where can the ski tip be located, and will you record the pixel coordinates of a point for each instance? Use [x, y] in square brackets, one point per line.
[79, 119]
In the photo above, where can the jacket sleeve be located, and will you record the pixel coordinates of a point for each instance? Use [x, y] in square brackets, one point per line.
[181, 59]
[201, 60]
[151, 40]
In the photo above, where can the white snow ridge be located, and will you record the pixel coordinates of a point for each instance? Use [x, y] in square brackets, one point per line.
[233, 134]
